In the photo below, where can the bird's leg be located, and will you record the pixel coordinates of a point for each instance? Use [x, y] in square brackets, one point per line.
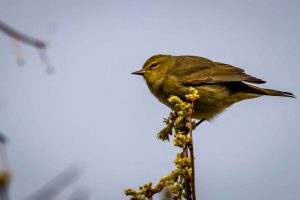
[199, 122]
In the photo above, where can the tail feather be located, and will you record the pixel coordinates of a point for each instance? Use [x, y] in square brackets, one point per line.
[278, 93]
[270, 92]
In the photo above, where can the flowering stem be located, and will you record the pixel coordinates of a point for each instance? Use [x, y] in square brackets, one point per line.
[187, 180]
[181, 181]
[192, 155]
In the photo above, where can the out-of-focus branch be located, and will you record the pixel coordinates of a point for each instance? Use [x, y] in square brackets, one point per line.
[4, 170]
[21, 36]
[56, 185]
[80, 194]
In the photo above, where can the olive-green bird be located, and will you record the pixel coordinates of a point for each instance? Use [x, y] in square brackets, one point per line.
[219, 85]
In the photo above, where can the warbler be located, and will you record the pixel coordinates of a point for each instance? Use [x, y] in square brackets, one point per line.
[219, 85]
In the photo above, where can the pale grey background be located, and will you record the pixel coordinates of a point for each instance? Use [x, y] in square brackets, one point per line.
[95, 113]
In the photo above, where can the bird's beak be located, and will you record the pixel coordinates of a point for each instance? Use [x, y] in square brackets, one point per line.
[139, 72]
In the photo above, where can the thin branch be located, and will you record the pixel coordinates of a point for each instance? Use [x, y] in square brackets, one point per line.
[56, 185]
[45, 61]
[187, 180]
[80, 194]
[22, 37]
[4, 170]
[18, 52]
[192, 155]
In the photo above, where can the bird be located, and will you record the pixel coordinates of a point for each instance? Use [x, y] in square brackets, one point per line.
[219, 85]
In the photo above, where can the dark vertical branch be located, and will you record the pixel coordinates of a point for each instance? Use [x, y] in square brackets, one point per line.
[191, 148]
[187, 180]
[4, 170]
[4, 193]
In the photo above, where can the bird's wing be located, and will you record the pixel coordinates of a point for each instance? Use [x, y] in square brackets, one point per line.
[192, 70]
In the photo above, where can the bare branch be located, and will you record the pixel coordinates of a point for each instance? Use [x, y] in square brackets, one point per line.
[22, 37]
[57, 185]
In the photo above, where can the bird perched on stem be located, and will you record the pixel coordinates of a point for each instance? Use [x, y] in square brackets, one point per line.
[219, 85]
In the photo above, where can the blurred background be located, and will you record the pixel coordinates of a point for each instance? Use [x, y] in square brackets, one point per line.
[93, 114]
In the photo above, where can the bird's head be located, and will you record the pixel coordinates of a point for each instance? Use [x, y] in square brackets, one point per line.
[156, 67]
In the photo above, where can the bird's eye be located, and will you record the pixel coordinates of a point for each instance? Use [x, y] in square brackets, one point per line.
[153, 65]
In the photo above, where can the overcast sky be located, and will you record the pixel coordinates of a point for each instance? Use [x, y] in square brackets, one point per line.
[93, 113]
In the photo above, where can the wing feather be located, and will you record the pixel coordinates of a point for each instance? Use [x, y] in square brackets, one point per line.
[193, 70]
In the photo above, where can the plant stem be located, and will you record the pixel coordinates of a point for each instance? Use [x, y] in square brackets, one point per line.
[187, 180]
[192, 155]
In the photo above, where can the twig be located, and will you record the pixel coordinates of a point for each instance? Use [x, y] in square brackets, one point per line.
[18, 52]
[56, 185]
[4, 170]
[80, 194]
[21, 37]
[187, 181]
[46, 62]
[192, 155]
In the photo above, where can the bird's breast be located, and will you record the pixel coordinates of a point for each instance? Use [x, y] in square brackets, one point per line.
[164, 87]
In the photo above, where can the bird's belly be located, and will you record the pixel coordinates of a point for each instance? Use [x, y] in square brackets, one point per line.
[214, 98]
[212, 101]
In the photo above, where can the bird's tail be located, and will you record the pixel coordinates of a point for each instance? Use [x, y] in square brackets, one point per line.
[264, 91]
